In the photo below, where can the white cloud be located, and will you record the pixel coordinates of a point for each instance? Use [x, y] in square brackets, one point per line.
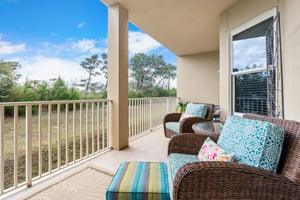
[45, 68]
[141, 43]
[249, 52]
[8, 48]
[80, 46]
[81, 25]
[84, 45]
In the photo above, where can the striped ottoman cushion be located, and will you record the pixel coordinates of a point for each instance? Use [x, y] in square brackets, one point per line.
[139, 180]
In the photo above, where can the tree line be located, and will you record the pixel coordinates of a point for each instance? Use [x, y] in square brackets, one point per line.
[149, 76]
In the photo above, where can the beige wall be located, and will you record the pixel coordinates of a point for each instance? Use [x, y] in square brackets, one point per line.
[242, 12]
[198, 77]
[292, 63]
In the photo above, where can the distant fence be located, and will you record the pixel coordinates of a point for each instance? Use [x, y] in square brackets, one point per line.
[146, 114]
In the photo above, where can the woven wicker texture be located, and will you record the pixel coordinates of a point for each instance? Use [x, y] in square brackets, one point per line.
[187, 123]
[230, 180]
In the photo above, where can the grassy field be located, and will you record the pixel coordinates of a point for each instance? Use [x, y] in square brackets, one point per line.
[9, 162]
[21, 137]
[21, 141]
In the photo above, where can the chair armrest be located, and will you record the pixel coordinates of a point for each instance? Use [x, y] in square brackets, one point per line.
[189, 143]
[172, 117]
[230, 180]
[187, 123]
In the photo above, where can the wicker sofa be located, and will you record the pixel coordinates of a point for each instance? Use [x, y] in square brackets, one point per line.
[231, 180]
[186, 124]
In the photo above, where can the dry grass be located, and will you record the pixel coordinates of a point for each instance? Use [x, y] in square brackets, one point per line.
[86, 127]
[21, 128]
[9, 162]
[137, 123]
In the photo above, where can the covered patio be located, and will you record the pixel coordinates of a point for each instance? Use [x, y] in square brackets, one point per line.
[201, 34]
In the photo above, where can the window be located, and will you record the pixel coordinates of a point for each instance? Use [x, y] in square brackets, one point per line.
[254, 68]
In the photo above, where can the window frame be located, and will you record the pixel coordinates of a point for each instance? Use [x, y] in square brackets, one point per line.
[270, 13]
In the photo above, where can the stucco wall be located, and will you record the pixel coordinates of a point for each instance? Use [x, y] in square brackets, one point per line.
[242, 12]
[198, 78]
[292, 63]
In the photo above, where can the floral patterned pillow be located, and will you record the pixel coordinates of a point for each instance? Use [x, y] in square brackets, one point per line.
[183, 116]
[210, 151]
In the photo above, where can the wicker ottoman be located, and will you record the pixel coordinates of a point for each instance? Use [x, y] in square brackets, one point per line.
[139, 180]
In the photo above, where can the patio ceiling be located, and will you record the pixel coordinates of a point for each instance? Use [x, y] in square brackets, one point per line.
[183, 26]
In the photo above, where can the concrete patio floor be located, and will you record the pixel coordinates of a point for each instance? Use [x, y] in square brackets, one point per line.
[151, 147]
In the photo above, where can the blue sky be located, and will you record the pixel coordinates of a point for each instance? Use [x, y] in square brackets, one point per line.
[249, 52]
[51, 38]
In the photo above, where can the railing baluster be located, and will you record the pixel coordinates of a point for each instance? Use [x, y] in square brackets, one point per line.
[139, 118]
[135, 117]
[58, 137]
[67, 134]
[129, 117]
[144, 115]
[98, 126]
[28, 145]
[156, 111]
[142, 111]
[50, 137]
[74, 132]
[107, 128]
[150, 114]
[93, 134]
[135, 121]
[87, 129]
[16, 116]
[102, 125]
[80, 129]
[1, 149]
[40, 140]
[167, 105]
[132, 117]
[140, 115]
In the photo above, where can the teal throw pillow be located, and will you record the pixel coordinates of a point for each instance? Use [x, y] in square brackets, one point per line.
[253, 142]
[199, 110]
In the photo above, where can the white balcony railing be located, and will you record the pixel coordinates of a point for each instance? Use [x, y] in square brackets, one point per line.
[39, 138]
[146, 114]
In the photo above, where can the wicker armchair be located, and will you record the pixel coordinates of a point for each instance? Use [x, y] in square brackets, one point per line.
[186, 124]
[230, 180]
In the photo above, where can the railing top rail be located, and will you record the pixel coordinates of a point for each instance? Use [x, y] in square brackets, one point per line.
[147, 98]
[73, 101]
[52, 102]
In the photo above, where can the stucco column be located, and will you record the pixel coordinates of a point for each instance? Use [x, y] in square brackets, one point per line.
[118, 75]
